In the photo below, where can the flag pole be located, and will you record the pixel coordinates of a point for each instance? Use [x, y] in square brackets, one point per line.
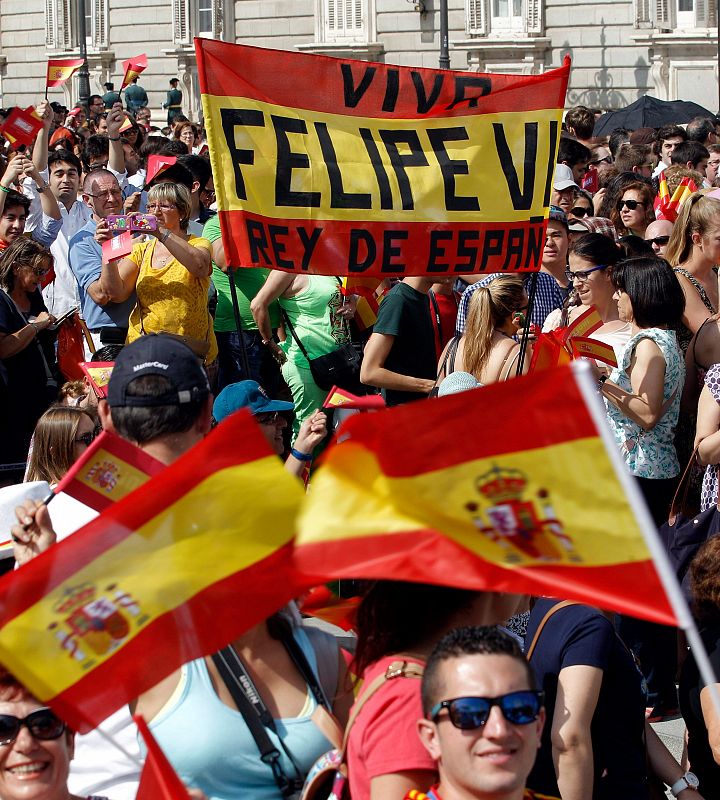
[526, 328]
[238, 323]
[668, 578]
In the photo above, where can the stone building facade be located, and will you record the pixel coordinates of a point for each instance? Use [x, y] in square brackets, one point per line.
[621, 49]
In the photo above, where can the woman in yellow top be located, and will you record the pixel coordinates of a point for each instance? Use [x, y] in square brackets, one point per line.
[170, 271]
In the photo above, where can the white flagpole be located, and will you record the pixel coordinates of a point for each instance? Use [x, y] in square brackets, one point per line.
[596, 407]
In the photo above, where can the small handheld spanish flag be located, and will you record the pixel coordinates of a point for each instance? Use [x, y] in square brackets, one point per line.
[133, 67]
[339, 398]
[60, 69]
[585, 347]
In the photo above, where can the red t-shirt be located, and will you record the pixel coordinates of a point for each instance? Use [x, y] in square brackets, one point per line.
[443, 317]
[384, 738]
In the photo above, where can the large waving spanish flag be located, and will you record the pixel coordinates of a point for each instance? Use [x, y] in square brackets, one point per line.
[534, 499]
[173, 571]
[336, 166]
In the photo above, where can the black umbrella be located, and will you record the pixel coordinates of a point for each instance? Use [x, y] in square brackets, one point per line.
[649, 112]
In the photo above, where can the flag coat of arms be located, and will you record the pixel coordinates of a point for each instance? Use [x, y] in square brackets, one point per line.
[533, 501]
[60, 69]
[173, 571]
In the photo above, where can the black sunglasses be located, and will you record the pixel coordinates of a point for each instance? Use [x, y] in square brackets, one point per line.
[86, 438]
[631, 204]
[469, 713]
[660, 241]
[42, 724]
[580, 211]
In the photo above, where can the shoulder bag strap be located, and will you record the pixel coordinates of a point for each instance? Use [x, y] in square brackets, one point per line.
[508, 362]
[449, 357]
[553, 610]
[227, 664]
[286, 320]
[398, 669]
[453, 352]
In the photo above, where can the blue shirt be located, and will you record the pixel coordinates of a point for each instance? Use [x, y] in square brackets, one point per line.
[549, 295]
[86, 264]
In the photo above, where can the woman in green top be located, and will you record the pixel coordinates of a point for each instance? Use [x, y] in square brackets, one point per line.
[318, 313]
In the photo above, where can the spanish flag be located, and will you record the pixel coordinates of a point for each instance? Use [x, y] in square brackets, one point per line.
[98, 375]
[158, 781]
[588, 322]
[584, 347]
[173, 571]
[339, 398]
[60, 69]
[107, 471]
[371, 292]
[133, 67]
[549, 351]
[535, 501]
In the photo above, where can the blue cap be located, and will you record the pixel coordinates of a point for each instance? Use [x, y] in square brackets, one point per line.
[246, 394]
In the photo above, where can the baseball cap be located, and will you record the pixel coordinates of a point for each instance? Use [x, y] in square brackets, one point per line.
[457, 382]
[157, 354]
[563, 178]
[246, 394]
[558, 215]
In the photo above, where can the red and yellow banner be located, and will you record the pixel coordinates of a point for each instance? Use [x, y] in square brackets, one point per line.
[533, 504]
[60, 69]
[107, 471]
[584, 347]
[168, 574]
[377, 170]
[339, 398]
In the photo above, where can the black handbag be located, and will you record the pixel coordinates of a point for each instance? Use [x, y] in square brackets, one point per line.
[683, 534]
[339, 368]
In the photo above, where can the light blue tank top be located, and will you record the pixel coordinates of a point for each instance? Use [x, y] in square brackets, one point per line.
[211, 747]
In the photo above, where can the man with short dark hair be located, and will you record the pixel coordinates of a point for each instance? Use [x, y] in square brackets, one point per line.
[574, 155]
[135, 96]
[111, 96]
[483, 716]
[96, 107]
[637, 158]
[580, 123]
[691, 155]
[702, 130]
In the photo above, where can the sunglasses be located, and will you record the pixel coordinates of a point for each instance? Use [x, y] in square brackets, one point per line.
[268, 419]
[42, 724]
[631, 204]
[660, 241]
[582, 276]
[469, 713]
[579, 211]
[606, 160]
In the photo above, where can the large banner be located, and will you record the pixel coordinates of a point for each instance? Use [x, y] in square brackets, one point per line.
[340, 167]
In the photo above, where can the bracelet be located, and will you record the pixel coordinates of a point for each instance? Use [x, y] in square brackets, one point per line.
[164, 237]
[34, 327]
[300, 456]
[114, 138]
[4, 189]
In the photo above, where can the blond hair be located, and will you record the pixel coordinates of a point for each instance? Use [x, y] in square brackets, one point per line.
[174, 193]
[490, 307]
[698, 214]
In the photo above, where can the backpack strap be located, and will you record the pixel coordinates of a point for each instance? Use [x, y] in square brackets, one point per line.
[398, 669]
[543, 621]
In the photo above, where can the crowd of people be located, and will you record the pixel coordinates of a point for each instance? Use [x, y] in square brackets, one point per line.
[439, 692]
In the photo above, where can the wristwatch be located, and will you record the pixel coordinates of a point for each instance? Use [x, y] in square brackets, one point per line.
[688, 781]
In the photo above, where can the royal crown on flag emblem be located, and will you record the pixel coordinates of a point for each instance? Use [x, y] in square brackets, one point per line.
[526, 529]
[94, 622]
[500, 485]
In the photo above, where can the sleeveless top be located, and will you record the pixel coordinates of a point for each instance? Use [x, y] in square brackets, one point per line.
[313, 316]
[211, 747]
[709, 496]
[650, 454]
[684, 334]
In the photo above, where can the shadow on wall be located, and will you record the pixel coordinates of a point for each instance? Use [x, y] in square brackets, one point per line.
[602, 94]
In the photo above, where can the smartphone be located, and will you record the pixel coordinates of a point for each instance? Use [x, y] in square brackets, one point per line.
[118, 222]
[143, 222]
[62, 318]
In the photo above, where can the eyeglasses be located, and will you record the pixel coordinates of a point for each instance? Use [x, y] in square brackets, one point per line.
[582, 276]
[106, 193]
[86, 438]
[660, 241]
[210, 192]
[606, 160]
[580, 211]
[631, 204]
[469, 713]
[160, 207]
[42, 724]
[268, 419]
